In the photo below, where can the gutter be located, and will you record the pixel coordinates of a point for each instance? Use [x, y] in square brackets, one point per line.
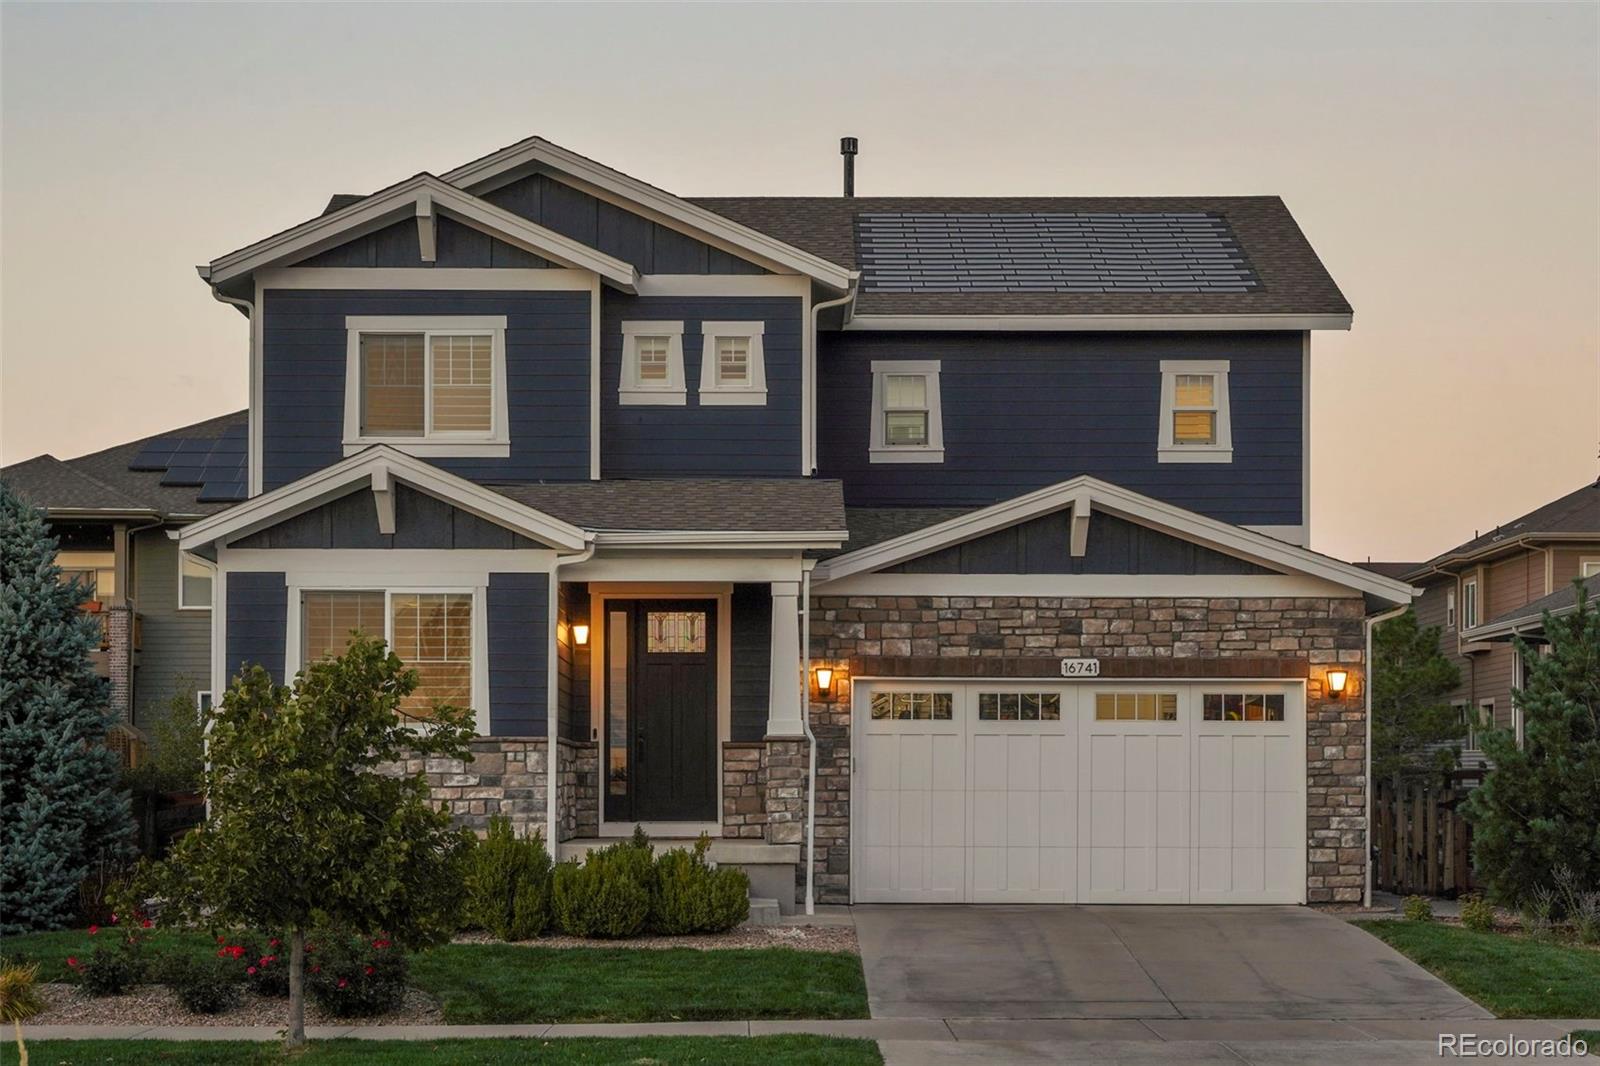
[809, 385]
[1371, 623]
[552, 719]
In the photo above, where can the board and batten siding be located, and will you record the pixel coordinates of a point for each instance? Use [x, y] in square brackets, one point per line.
[455, 246]
[547, 377]
[644, 441]
[175, 649]
[1025, 410]
[420, 521]
[258, 616]
[519, 653]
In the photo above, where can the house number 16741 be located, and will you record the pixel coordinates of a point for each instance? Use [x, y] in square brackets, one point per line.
[1080, 667]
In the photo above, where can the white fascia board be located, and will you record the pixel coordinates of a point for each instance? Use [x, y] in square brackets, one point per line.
[421, 194]
[537, 150]
[1104, 496]
[513, 279]
[1097, 323]
[765, 540]
[1083, 585]
[381, 462]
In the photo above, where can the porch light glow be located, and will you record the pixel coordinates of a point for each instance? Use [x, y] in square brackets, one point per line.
[580, 633]
[824, 680]
[1336, 682]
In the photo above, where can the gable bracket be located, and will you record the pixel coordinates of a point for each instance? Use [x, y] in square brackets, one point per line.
[1080, 525]
[383, 497]
[427, 231]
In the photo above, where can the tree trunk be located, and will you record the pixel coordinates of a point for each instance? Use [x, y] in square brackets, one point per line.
[296, 1035]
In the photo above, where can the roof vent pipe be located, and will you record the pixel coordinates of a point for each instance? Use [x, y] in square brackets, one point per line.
[848, 148]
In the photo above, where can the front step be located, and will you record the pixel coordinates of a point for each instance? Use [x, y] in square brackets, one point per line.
[763, 912]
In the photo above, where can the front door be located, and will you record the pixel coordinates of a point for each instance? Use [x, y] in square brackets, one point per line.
[668, 711]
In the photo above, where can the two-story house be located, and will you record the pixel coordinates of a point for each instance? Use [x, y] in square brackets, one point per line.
[1481, 592]
[932, 549]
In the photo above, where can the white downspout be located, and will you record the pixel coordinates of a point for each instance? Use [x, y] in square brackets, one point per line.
[811, 738]
[810, 384]
[1372, 623]
[552, 719]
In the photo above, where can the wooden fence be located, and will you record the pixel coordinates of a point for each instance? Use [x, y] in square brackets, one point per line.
[1423, 844]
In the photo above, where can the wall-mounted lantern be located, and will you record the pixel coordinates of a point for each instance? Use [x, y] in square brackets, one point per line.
[824, 676]
[1336, 683]
[580, 634]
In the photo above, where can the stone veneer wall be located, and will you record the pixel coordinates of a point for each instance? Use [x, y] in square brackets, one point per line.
[1023, 636]
[744, 789]
[578, 788]
[505, 776]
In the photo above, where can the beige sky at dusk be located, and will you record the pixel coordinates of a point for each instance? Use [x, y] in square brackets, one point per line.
[1443, 159]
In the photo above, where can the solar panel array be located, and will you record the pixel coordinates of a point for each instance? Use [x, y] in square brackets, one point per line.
[215, 464]
[1051, 252]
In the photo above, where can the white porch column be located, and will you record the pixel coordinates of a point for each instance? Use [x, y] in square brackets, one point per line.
[783, 696]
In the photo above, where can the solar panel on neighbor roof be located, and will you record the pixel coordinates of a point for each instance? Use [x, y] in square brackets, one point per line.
[215, 464]
[1051, 252]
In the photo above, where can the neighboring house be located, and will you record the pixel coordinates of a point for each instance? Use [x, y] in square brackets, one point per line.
[117, 522]
[1003, 499]
[1482, 591]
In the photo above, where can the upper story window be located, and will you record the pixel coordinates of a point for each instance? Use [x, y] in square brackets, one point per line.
[1196, 426]
[1588, 567]
[907, 424]
[430, 386]
[652, 364]
[194, 583]
[1469, 603]
[732, 366]
[1450, 609]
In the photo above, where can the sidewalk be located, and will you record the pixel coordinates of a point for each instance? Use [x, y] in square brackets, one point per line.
[906, 1041]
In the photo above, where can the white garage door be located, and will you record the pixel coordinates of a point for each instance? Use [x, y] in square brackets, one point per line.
[1116, 792]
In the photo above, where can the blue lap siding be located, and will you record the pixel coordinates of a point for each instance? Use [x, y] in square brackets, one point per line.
[1026, 410]
[258, 615]
[519, 654]
[694, 440]
[547, 377]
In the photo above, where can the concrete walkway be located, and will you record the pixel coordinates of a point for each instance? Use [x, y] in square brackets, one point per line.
[915, 1041]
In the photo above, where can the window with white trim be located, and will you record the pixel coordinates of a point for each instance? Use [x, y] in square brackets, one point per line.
[907, 422]
[1196, 423]
[1479, 720]
[202, 701]
[1469, 603]
[1450, 609]
[652, 364]
[1589, 566]
[732, 364]
[430, 386]
[430, 631]
[194, 583]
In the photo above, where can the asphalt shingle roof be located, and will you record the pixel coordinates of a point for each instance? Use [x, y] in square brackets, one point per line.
[44, 486]
[1560, 601]
[1289, 277]
[1576, 512]
[728, 504]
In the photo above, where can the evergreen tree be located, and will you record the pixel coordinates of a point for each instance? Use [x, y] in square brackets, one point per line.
[1539, 810]
[1412, 720]
[61, 805]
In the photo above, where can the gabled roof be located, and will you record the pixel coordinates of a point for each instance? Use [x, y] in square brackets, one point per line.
[536, 152]
[59, 486]
[418, 196]
[1059, 255]
[795, 507]
[1398, 571]
[378, 468]
[1529, 618]
[1575, 516]
[1085, 495]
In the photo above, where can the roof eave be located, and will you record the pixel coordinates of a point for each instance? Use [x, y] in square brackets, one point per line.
[1067, 323]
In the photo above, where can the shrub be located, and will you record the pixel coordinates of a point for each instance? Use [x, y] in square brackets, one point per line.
[1580, 904]
[204, 984]
[109, 970]
[264, 965]
[691, 896]
[356, 977]
[508, 883]
[1477, 914]
[607, 896]
[1418, 909]
[19, 998]
[1539, 913]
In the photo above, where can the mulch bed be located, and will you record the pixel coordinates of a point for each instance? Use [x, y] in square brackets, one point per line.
[158, 1005]
[799, 937]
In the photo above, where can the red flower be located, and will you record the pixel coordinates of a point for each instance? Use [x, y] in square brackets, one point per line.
[222, 940]
[343, 982]
[370, 971]
[93, 929]
[250, 969]
[147, 923]
[316, 969]
[264, 960]
[273, 942]
[380, 943]
[113, 919]
[72, 961]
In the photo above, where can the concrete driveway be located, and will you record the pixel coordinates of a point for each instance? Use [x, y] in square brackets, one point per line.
[1138, 962]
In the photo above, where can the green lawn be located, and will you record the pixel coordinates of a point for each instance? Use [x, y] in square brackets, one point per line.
[699, 1050]
[1512, 977]
[509, 984]
[506, 984]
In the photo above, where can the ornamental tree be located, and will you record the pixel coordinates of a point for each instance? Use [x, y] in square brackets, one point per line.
[1539, 810]
[307, 827]
[1412, 720]
[61, 805]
